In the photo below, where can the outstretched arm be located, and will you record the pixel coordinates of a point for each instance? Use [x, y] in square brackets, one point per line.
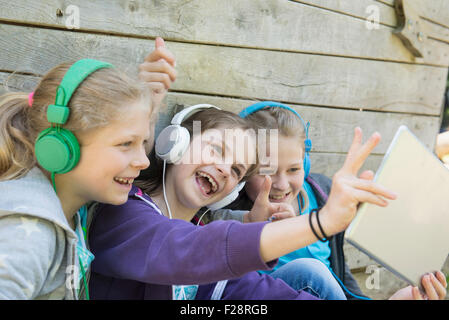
[348, 190]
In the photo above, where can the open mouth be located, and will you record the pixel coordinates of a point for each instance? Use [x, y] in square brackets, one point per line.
[124, 181]
[279, 198]
[206, 182]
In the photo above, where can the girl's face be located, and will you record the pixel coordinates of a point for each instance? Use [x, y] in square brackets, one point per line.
[111, 158]
[200, 181]
[288, 179]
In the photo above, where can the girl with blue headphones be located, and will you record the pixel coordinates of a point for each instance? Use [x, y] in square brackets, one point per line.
[320, 262]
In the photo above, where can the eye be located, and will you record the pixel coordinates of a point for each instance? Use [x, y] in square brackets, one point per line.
[237, 171]
[294, 170]
[126, 144]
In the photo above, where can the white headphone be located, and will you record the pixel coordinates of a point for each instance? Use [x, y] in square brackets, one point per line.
[174, 140]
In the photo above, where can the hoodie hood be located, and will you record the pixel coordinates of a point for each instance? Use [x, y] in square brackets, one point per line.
[32, 195]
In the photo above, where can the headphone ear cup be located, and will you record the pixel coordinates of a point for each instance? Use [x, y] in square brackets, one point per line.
[171, 143]
[57, 150]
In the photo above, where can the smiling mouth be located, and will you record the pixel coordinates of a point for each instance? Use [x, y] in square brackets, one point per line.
[124, 181]
[206, 182]
[279, 198]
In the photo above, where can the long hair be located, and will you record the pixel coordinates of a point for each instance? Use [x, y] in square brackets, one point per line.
[150, 179]
[286, 122]
[288, 125]
[97, 101]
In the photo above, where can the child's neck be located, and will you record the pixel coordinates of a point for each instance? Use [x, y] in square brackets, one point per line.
[177, 209]
[70, 205]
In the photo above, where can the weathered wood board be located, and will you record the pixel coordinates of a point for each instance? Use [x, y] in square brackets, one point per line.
[253, 24]
[289, 77]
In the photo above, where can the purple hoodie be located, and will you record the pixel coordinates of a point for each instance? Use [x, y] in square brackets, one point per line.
[139, 254]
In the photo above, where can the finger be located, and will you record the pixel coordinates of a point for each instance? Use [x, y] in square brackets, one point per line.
[157, 87]
[262, 197]
[282, 207]
[364, 196]
[417, 294]
[438, 286]
[440, 276]
[364, 152]
[367, 175]
[355, 145]
[359, 153]
[159, 42]
[161, 53]
[372, 187]
[161, 66]
[428, 287]
[282, 215]
[151, 77]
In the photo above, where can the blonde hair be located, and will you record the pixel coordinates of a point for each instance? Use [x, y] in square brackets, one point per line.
[286, 122]
[96, 102]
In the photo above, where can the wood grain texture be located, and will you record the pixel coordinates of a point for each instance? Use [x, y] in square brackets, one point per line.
[275, 25]
[246, 73]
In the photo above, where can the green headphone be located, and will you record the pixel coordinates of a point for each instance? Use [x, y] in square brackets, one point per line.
[57, 150]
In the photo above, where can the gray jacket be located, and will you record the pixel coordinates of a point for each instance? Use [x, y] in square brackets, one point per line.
[38, 257]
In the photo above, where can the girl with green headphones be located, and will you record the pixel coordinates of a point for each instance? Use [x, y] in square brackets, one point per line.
[80, 137]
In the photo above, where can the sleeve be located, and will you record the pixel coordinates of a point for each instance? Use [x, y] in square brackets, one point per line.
[227, 214]
[136, 243]
[27, 247]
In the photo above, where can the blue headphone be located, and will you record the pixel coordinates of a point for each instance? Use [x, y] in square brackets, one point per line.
[307, 142]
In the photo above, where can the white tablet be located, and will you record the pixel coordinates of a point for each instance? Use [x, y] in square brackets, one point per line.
[409, 237]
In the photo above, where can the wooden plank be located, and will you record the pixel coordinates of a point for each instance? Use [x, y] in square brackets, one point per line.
[329, 163]
[330, 130]
[362, 9]
[255, 24]
[236, 72]
[436, 11]
[17, 82]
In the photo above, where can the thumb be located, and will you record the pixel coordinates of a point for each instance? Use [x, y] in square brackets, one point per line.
[159, 42]
[264, 193]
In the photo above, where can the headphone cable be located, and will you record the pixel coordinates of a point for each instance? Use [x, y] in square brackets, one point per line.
[163, 187]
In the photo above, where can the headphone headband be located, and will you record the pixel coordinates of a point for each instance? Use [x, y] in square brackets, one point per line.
[307, 142]
[267, 104]
[187, 112]
[57, 150]
[58, 113]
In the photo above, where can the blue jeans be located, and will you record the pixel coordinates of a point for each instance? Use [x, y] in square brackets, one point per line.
[310, 275]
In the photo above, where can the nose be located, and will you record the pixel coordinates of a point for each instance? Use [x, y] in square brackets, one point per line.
[141, 160]
[224, 169]
[279, 181]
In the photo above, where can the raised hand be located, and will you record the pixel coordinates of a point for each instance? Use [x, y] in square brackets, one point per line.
[264, 210]
[348, 190]
[158, 70]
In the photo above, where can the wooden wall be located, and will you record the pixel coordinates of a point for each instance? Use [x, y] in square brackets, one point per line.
[318, 56]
